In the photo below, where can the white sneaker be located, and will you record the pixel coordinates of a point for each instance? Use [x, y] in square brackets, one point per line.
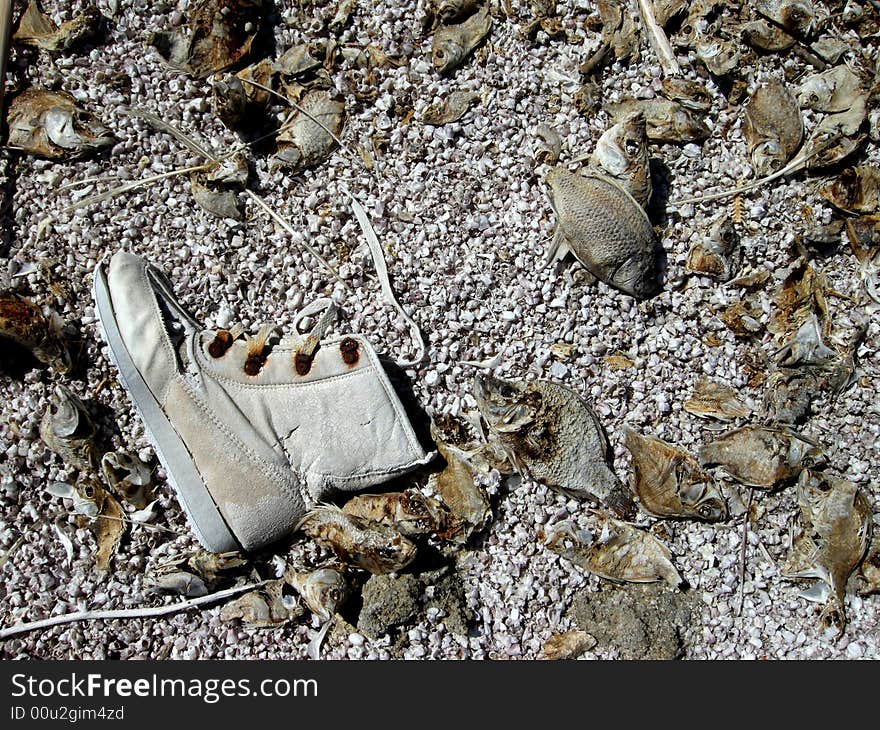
[251, 435]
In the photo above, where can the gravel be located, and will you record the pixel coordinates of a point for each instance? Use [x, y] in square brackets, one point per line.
[462, 213]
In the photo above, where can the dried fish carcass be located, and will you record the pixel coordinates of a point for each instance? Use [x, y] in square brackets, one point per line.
[690, 94]
[773, 127]
[451, 109]
[569, 645]
[670, 483]
[453, 44]
[607, 231]
[409, 512]
[855, 190]
[310, 134]
[720, 56]
[362, 543]
[834, 90]
[665, 120]
[444, 12]
[67, 429]
[796, 16]
[764, 458]
[128, 477]
[266, 607]
[836, 136]
[620, 32]
[466, 502]
[215, 188]
[837, 521]
[621, 552]
[324, 590]
[39, 332]
[714, 400]
[716, 254]
[765, 36]
[50, 124]
[622, 155]
[220, 34]
[552, 436]
[549, 145]
[35, 28]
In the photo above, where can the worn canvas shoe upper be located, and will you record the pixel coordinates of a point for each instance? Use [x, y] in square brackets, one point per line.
[250, 436]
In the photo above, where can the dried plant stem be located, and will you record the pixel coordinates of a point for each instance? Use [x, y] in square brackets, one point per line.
[127, 613]
[147, 525]
[742, 554]
[9, 553]
[5, 39]
[658, 39]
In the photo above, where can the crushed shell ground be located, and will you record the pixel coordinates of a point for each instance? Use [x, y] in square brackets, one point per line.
[462, 213]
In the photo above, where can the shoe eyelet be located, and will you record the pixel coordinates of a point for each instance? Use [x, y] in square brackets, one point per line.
[349, 350]
[302, 363]
[220, 344]
[254, 364]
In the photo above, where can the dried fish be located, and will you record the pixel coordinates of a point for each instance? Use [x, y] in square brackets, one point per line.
[620, 32]
[128, 477]
[790, 391]
[764, 458]
[665, 120]
[210, 566]
[267, 607]
[715, 254]
[215, 188]
[806, 346]
[362, 543]
[837, 520]
[67, 429]
[82, 494]
[670, 483]
[690, 94]
[801, 294]
[549, 145]
[342, 17]
[42, 333]
[773, 127]
[587, 98]
[743, 318]
[569, 645]
[220, 34]
[108, 526]
[714, 400]
[455, 486]
[453, 43]
[622, 155]
[607, 231]
[552, 436]
[855, 190]
[35, 28]
[409, 512]
[50, 124]
[796, 16]
[621, 552]
[310, 136]
[324, 591]
[765, 36]
[836, 137]
[451, 109]
[178, 582]
[869, 572]
[619, 361]
[833, 90]
[444, 12]
[720, 56]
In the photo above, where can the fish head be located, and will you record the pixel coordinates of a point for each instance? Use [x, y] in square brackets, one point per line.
[703, 500]
[768, 157]
[640, 276]
[624, 146]
[446, 55]
[502, 403]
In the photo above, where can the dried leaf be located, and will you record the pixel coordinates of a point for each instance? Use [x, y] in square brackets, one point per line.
[109, 528]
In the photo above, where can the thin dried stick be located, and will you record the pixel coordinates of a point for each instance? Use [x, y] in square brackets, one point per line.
[126, 613]
[742, 555]
[125, 520]
[5, 37]
[658, 39]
